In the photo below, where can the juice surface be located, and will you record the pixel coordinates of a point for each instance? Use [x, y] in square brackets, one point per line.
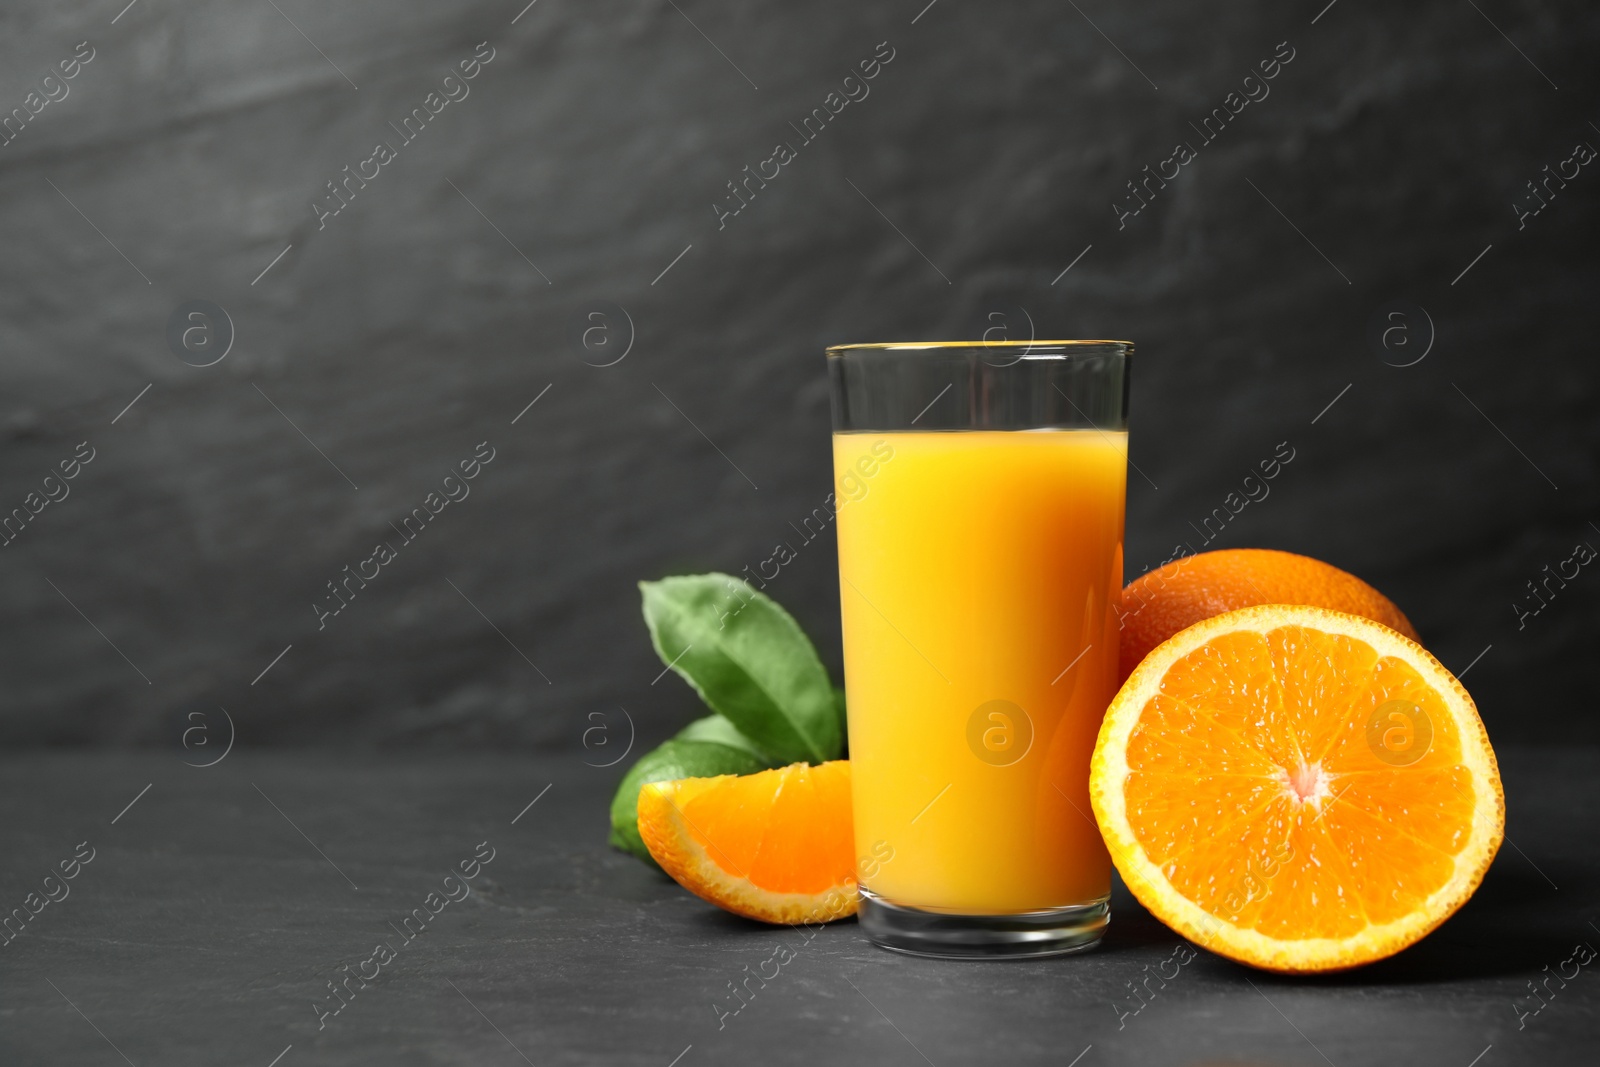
[980, 655]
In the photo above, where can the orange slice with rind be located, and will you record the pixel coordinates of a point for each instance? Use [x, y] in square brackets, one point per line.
[776, 846]
[1297, 789]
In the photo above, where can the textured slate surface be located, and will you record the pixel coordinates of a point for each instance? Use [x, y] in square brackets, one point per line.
[206, 926]
[189, 151]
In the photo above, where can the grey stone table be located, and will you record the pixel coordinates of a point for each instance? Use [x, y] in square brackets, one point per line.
[218, 907]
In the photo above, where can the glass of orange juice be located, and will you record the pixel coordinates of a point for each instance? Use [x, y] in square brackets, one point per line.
[980, 490]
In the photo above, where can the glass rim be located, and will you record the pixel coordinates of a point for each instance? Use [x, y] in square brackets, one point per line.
[900, 346]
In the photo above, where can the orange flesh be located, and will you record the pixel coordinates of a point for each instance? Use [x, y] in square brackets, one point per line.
[778, 830]
[1252, 766]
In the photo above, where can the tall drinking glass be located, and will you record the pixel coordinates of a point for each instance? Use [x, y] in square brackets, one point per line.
[980, 490]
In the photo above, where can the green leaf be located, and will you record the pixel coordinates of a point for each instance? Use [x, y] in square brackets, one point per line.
[749, 660]
[717, 729]
[673, 759]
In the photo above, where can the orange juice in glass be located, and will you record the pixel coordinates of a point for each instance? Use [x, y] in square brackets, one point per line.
[980, 491]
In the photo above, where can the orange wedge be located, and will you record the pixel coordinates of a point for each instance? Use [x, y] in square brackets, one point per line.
[1297, 789]
[775, 846]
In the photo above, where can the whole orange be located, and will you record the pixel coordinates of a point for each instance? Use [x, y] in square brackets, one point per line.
[1176, 595]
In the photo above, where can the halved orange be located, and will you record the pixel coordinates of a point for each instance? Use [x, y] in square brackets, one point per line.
[1297, 789]
[776, 846]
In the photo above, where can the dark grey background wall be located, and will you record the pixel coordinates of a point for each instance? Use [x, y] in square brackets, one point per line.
[579, 174]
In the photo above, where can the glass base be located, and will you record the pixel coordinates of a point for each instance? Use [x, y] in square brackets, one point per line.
[1025, 935]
